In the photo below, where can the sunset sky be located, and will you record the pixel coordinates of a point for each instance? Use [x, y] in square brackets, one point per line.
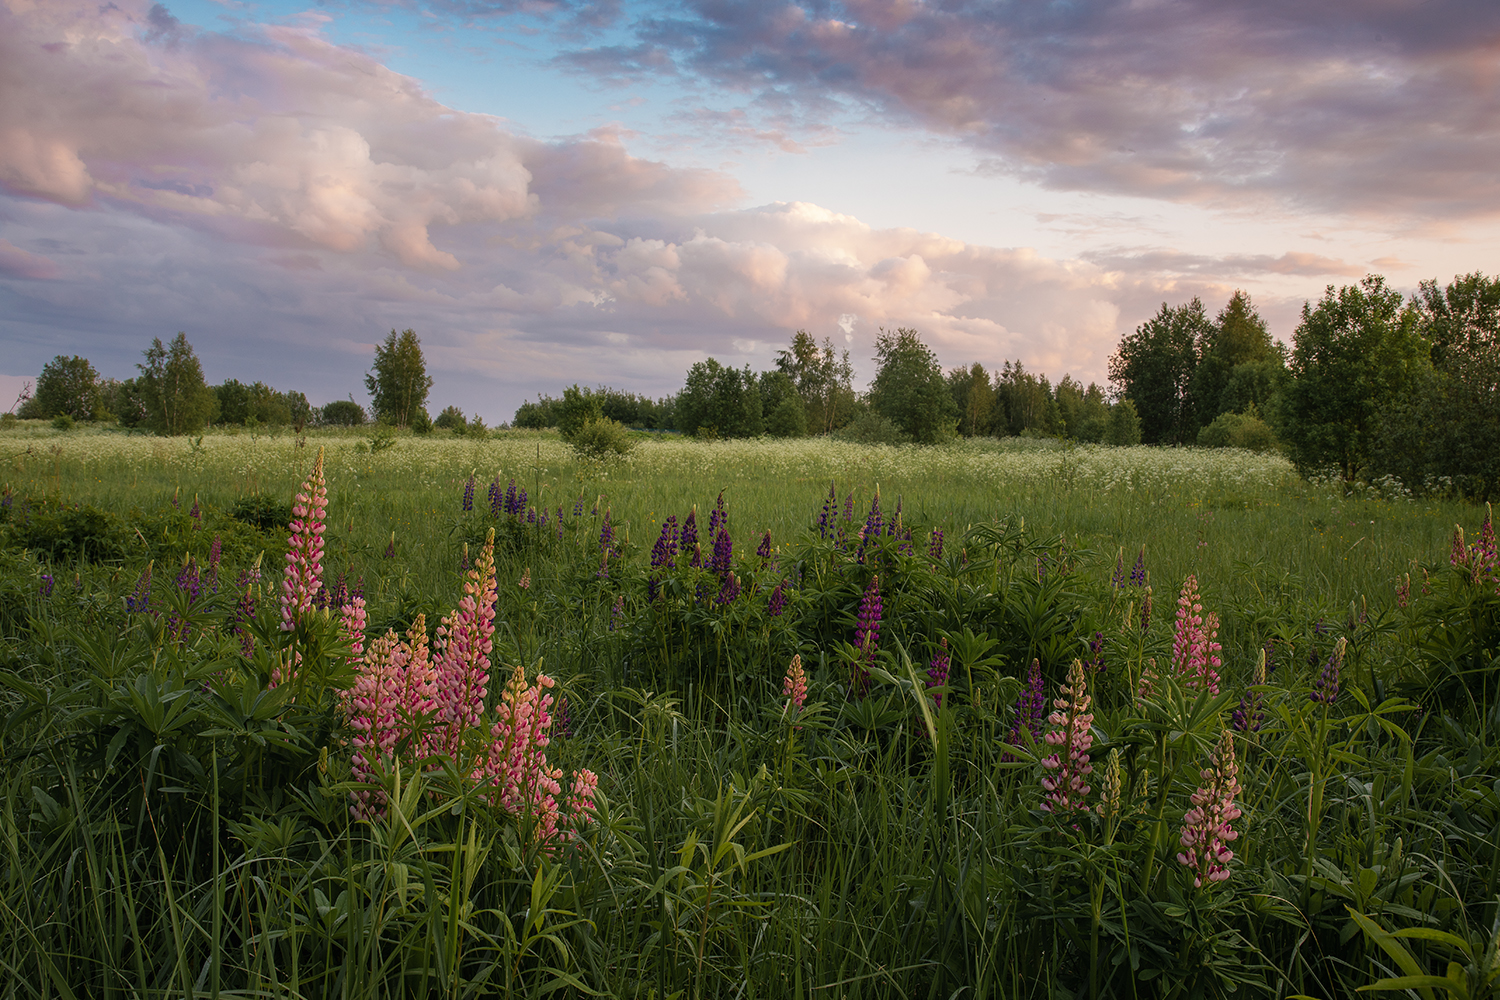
[607, 192]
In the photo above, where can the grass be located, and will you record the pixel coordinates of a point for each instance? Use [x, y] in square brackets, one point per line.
[172, 827]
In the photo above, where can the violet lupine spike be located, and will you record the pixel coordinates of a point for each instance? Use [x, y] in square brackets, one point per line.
[1195, 649]
[390, 550]
[578, 507]
[764, 549]
[1118, 580]
[1206, 829]
[719, 518]
[873, 522]
[697, 560]
[828, 513]
[1096, 653]
[304, 557]
[937, 671]
[45, 589]
[617, 613]
[495, 496]
[895, 526]
[1071, 732]
[690, 530]
[1251, 713]
[189, 581]
[469, 494]
[510, 497]
[729, 590]
[723, 556]
[777, 603]
[215, 556]
[564, 719]
[664, 552]
[849, 505]
[530, 514]
[1138, 571]
[1030, 709]
[794, 686]
[1326, 689]
[935, 545]
[196, 513]
[866, 637]
[606, 533]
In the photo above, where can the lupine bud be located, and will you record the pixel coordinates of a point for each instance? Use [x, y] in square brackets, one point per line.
[1326, 689]
[794, 687]
[777, 603]
[937, 671]
[1110, 791]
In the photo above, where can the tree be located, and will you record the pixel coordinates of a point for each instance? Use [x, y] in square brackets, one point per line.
[176, 398]
[398, 381]
[343, 413]
[823, 378]
[974, 398]
[1083, 411]
[1354, 356]
[909, 389]
[576, 408]
[1154, 367]
[719, 401]
[785, 413]
[452, 418]
[69, 386]
[1023, 402]
[1124, 427]
[1236, 338]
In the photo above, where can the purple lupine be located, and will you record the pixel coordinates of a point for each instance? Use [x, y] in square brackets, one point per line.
[189, 580]
[829, 511]
[559, 521]
[937, 671]
[606, 533]
[697, 560]
[1251, 713]
[730, 588]
[520, 499]
[495, 496]
[617, 613]
[719, 518]
[935, 544]
[510, 497]
[764, 549]
[866, 637]
[664, 552]
[578, 507]
[6, 500]
[469, 494]
[390, 550]
[849, 505]
[1326, 689]
[1138, 571]
[895, 525]
[530, 515]
[1031, 709]
[873, 520]
[196, 514]
[905, 548]
[1118, 580]
[723, 556]
[690, 530]
[777, 604]
[1096, 653]
[140, 598]
[653, 589]
[46, 585]
[562, 720]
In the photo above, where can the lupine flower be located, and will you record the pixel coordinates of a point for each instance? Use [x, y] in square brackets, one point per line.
[1096, 653]
[866, 636]
[196, 514]
[730, 589]
[617, 613]
[794, 687]
[140, 598]
[873, 522]
[6, 500]
[1459, 553]
[1070, 731]
[304, 557]
[1195, 650]
[1031, 707]
[764, 549]
[1138, 574]
[510, 497]
[935, 544]
[594, 512]
[895, 527]
[719, 518]
[390, 550]
[825, 516]
[564, 719]
[465, 639]
[189, 580]
[1403, 591]
[578, 507]
[530, 514]
[937, 671]
[521, 498]
[606, 533]
[1251, 713]
[723, 553]
[373, 706]
[849, 505]
[1206, 830]
[1111, 788]
[215, 555]
[46, 585]
[469, 494]
[1326, 689]
[515, 769]
[690, 530]
[525, 582]
[603, 571]
[905, 547]
[1118, 580]
[777, 604]
[697, 559]
[664, 552]
[495, 496]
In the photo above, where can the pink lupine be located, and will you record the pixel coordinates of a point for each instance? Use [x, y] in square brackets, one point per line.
[372, 706]
[794, 687]
[1195, 650]
[304, 557]
[464, 642]
[1206, 830]
[352, 619]
[418, 681]
[1072, 734]
[581, 798]
[515, 766]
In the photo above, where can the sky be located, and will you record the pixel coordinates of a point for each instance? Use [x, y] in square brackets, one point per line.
[606, 192]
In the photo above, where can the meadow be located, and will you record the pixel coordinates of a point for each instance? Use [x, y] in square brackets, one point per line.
[1015, 755]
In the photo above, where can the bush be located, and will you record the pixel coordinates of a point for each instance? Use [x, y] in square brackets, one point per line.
[1124, 427]
[263, 511]
[871, 428]
[1238, 430]
[600, 438]
[788, 419]
[62, 422]
[451, 419]
[343, 413]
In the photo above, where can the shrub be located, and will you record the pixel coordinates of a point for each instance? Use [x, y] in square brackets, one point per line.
[600, 438]
[263, 511]
[1124, 427]
[451, 419]
[62, 422]
[1238, 430]
[871, 428]
[343, 413]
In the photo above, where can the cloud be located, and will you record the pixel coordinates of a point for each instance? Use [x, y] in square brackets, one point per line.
[22, 264]
[1228, 267]
[1386, 110]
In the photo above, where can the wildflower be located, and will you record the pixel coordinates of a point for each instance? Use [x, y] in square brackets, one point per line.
[849, 505]
[1403, 591]
[937, 671]
[1096, 653]
[730, 588]
[304, 558]
[196, 514]
[777, 603]
[1326, 689]
[1071, 733]
[140, 598]
[617, 613]
[764, 549]
[866, 636]
[581, 798]
[215, 556]
[1195, 650]
[719, 518]
[935, 544]
[1206, 830]
[723, 553]
[578, 507]
[189, 580]
[514, 767]
[495, 496]
[1110, 789]
[794, 687]
[390, 550]
[1138, 575]
[465, 639]
[530, 514]
[606, 533]
[564, 720]
[525, 582]
[1251, 713]
[372, 706]
[46, 585]
[1118, 580]
[469, 494]
[1459, 553]
[352, 618]
[510, 497]
[873, 522]
[894, 527]
[1030, 707]
[690, 530]
[825, 516]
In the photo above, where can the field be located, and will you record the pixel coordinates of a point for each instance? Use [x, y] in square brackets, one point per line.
[179, 768]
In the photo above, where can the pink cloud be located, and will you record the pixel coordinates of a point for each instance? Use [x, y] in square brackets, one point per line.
[21, 264]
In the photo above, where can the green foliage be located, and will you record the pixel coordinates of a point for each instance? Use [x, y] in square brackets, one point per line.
[1238, 430]
[1124, 426]
[175, 398]
[973, 397]
[823, 377]
[67, 386]
[1023, 403]
[535, 416]
[64, 532]
[343, 413]
[1083, 413]
[263, 511]
[451, 419]
[720, 402]
[1154, 368]
[62, 422]
[577, 408]
[259, 404]
[909, 389]
[600, 438]
[398, 382]
[1356, 355]
[869, 427]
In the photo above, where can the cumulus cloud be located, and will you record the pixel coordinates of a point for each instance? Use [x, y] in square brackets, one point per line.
[285, 201]
[1381, 109]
